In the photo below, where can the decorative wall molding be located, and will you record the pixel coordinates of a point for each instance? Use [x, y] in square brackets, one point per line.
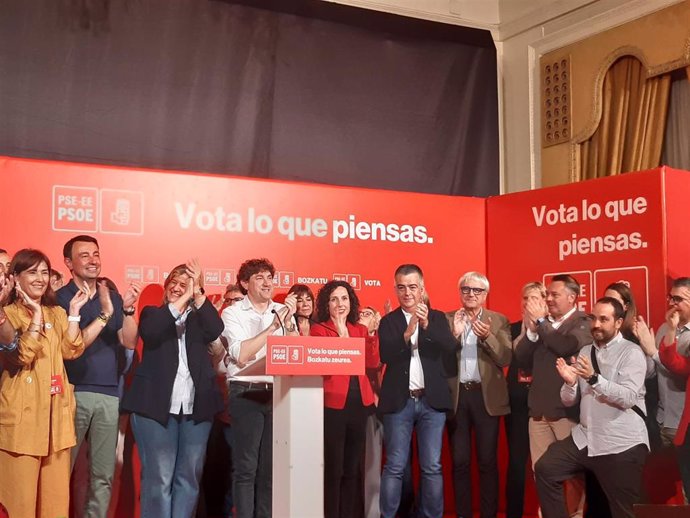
[565, 31]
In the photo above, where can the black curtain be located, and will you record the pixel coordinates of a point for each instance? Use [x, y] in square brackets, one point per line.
[229, 88]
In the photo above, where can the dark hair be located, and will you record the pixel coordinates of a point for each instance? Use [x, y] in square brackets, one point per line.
[629, 306]
[3, 251]
[252, 267]
[301, 289]
[569, 281]
[618, 310]
[67, 249]
[322, 314]
[407, 269]
[681, 282]
[25, 259]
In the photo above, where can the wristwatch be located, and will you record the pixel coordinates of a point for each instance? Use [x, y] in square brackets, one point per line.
[104, 317]
[593, 379]
[540, 320]
[129, 312]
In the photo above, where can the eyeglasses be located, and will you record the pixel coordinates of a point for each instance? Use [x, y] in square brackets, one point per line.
[675, 299]
[467, 289]
[367, 313]
[233, 300]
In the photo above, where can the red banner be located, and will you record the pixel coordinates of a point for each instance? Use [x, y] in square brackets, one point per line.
[147, 222]
[601, 232]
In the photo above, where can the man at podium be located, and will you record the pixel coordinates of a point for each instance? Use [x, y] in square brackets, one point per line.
[248, 324]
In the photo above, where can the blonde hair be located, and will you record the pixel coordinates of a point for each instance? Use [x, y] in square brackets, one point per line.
[536, 285]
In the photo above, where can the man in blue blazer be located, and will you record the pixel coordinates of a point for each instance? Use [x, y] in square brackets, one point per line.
[418, 349]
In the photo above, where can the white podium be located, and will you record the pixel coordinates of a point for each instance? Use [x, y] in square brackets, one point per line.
[298, 364]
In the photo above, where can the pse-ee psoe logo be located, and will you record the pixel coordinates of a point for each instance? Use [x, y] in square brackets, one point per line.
[290, 354]
[90, 209]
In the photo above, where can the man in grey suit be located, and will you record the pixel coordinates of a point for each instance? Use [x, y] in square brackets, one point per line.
[480, 393]
[556, 329]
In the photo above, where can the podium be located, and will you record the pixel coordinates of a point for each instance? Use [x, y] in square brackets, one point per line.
[298, 364]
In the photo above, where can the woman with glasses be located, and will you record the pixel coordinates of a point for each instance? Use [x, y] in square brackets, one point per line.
[349, 400]
[173, 396]
[305, 307]
[37, 403]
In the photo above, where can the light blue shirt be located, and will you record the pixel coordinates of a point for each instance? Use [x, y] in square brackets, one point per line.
[608, 425]
[469, 355]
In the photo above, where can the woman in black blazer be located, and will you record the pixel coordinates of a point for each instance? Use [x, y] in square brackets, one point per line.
[173, 396]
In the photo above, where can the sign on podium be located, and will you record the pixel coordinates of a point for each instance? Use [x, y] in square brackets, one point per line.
[299, 364]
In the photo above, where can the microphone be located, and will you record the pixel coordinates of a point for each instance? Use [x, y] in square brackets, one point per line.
[280, 320]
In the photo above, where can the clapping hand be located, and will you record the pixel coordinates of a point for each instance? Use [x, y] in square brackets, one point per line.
[422, 314]
[645, 336]
[80, 298]
[583, 367]
[103, 298]
[567, 372]
[131, 295]
[33, 306]
[459, 323]
[194, 271]
[480, 329]
[291, 304]
[672, 318]
[535, 310]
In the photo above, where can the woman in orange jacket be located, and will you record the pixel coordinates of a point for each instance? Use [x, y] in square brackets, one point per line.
[349, 400]
[36, 400]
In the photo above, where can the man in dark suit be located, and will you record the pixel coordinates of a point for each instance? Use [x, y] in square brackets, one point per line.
[554, 330]
[415, 343]
[480, 393]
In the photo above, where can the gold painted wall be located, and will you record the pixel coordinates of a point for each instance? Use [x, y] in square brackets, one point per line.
[661, 41]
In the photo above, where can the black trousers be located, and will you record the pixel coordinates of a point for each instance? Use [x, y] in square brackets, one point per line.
[517, 434]
[620, 476]
[344, 442]
[252, 449]
[471, 415]
[683, 452]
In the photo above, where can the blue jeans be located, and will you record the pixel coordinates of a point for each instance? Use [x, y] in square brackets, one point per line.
[172, 461]
[397, 431]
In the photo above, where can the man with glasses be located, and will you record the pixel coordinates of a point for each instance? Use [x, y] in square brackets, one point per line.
[555, 329]
[672, 386]
[232, 294]
[480, 393]
[415, 345]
